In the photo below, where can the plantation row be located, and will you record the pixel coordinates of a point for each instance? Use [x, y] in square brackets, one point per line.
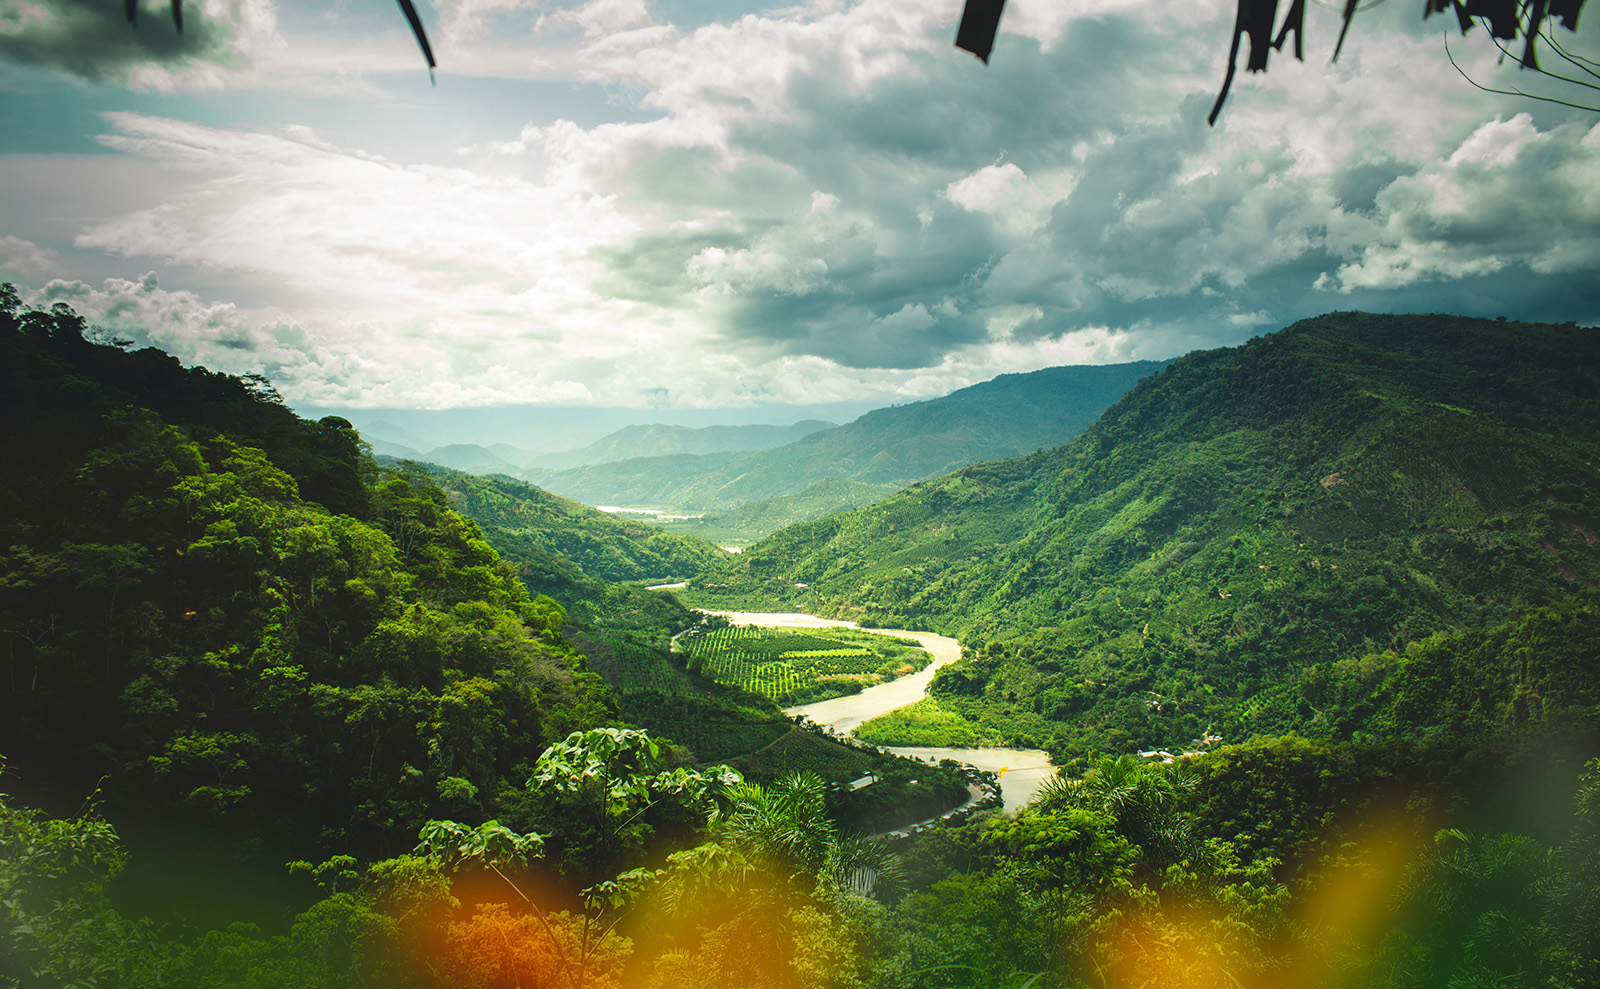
[748, 672]
[861, 665]
[639, 668]
[822, 653]
[770, 642]
[798, 668]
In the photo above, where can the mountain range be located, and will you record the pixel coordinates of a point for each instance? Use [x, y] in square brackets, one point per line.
[629, 442]
[1006, 416]
[661, 440]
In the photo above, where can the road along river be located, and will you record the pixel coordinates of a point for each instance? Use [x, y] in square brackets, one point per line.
[1023, 771]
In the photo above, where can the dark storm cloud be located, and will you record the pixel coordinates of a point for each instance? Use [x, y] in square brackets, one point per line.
[884, 271]
[1356, 188]
[651, 268]
[952, 116]
[93, 40]
[885, 294]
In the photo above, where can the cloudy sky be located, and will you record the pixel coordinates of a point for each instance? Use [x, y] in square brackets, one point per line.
[701, 204]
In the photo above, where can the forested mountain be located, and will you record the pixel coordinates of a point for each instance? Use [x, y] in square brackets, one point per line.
[1351, 484]
[236, 674]
[578, 555]
[595, 605]
[601, 544]
[229, 618]
[1012, 414]
[1537, 674]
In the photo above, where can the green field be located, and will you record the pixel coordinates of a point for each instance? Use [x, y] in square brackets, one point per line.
[797, 667]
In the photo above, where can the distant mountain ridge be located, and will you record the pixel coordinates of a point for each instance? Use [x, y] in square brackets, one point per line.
[629, 442]
[541, 429]
[659, 440]
[469, 457]
[1008, 415]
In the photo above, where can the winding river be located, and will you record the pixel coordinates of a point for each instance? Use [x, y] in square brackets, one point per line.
[1023, 771]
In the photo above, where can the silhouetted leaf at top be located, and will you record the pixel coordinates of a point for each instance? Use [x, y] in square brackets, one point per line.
[1296, 22]
[1254, 18]
[410, 11]
[1501, 15]
[1567, 11]
[980, 21]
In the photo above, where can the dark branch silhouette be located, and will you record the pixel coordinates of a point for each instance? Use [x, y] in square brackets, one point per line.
[1505, 20]
[131, 8]
[410, 10]
[1514, 91]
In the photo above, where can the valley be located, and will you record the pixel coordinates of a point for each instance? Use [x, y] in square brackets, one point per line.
[1345, 572]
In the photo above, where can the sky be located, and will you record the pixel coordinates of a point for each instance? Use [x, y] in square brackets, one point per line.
[690, 205]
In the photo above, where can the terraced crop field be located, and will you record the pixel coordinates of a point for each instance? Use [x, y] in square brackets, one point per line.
[794, 667]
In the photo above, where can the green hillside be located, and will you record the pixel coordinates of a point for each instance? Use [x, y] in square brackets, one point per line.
[528, 544]
[600, 544]
[228, 622]
[648, 482]
[1348, 485]
[824, 497]
[467, 457]
[1012, 414]
[237, 666]
[578, 556]
[1536, 674]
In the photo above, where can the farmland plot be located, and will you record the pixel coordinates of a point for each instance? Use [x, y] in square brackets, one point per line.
[796, 667]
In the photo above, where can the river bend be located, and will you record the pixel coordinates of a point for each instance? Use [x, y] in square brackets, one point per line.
[1023, 771]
